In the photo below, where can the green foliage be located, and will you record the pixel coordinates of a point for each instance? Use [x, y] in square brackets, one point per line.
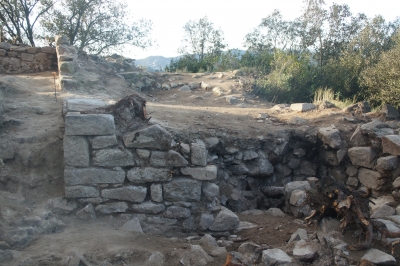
[97, 26]
[382, 81]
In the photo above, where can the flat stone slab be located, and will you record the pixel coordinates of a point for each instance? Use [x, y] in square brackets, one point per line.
[275, 256]
[369, 178]
[113, 158]
[76, 151]
[81, 105]
[303, 107]
[88, 176]
[135, 194]
[201, 173]
[89, 124]
[379, 257]
[391, 144]
[115, 207]
[139, 175]
[362, 156]
[153, 137]
[182, 189]
[148, 207]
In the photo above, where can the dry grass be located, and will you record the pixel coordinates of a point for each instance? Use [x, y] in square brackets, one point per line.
[324, 94]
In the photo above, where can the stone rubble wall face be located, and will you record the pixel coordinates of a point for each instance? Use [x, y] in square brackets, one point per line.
[21, 59]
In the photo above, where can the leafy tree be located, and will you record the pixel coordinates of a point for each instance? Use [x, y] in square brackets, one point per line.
[19, 17]
[97, 26]
[383, 79]
[202, 40]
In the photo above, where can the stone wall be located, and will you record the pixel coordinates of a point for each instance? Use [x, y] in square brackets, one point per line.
[192, 182]
[26, 59]
[143, 173]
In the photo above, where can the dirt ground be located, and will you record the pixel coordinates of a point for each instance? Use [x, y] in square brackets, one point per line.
[35, 175]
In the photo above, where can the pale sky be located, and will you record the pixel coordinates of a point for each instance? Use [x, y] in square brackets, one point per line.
[234, 18]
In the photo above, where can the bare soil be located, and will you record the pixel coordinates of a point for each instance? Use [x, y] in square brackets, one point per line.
[35, 175]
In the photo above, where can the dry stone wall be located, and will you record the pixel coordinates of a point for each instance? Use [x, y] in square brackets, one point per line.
[26, 59]
[172, 179]
[142, 173]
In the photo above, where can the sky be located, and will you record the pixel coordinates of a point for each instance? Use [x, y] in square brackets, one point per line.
[234, 18]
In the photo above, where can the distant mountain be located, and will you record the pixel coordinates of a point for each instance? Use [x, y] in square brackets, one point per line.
[158, 63]
[155, 63]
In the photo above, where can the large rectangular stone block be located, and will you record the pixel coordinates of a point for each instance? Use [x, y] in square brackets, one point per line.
[76, 151]
[113, 158]
[140, 175]
[88, 176]
[182, 189]
[89, 124]
[81, 192]
[135, 194]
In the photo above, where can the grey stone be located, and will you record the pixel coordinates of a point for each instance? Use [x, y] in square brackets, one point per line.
[156, 193]
[294, 163]
[182, 189]
[303, 107]
[208, 240]
[394, 218]
[81, 192]
[298, 198]
[113, 158]
[275, 257]
[189, 224]
[165, 86]
[352, 181]
[134, 194]
[76, 151]
[177, 212]
[132, 226]
[308, 168]
[156, 258]
[296, 185]
[225, 220]
[87, 213]
[153, 137]
[370, 178]
[387, 163]
[383, 211]
[185, 88]
[300, 234]
[61, 39]
[101, 142]
[380, 201]
[198, 154]
[81, 105]
[300, 211]
[358, 138]
[396, 183]
[359, 108]
[305, 251]
[378, 257]
[206, 220]
[210, 191]
[194, 85]
[376, 129]
[27, 57]
[148, 207]
[89, 176]
[201, 173]
[232, 99]
[329, 157]
[67, 68]
[167, 159]
[390, 226]
[89, 124]
[249, 155]
[115, 207]
[68, 83]
[351, 170]
[140, 175]
[362, 156]
[5, 45]
[211, 142]
[390, 111]
[330, 136]
[259, 167]
[143, 154]
[275, 212]
[196, 256]
[391, 144]
[295, 120]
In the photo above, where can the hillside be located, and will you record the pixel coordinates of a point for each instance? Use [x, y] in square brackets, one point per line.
[155, 63]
